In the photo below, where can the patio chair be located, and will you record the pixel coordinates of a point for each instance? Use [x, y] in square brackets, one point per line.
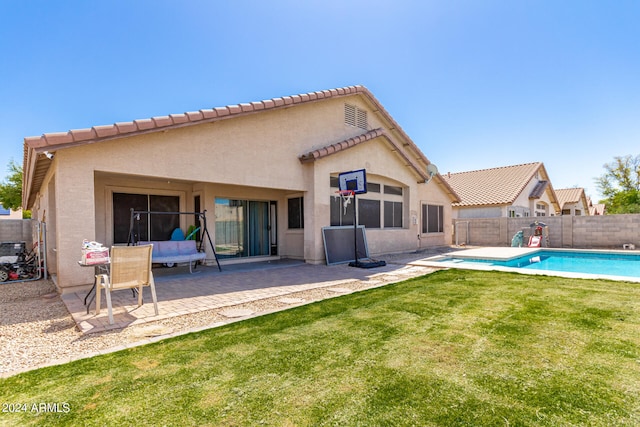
[130, 269]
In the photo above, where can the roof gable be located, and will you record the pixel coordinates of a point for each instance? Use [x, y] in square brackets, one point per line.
[571, 195]
[75, 137]
[539, 189]
[36, 164]
[335, 148]
[501, 185]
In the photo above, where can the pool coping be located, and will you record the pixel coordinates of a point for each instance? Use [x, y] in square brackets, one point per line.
[509, 253]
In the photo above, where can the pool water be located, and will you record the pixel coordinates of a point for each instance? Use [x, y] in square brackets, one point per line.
[615, 264]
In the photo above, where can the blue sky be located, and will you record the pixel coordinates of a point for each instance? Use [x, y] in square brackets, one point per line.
[475, 84]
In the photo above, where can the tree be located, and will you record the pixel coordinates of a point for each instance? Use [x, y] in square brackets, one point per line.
[11, 189]
[620, 185]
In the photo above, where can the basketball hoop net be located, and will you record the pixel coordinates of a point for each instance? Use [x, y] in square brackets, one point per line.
[346, 196]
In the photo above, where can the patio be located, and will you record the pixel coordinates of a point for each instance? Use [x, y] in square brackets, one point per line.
[180, 293]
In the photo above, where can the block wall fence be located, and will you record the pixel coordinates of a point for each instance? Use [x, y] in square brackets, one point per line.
[17, 230]
[584, 232]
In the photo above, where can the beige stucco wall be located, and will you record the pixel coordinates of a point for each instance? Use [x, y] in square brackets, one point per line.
[383, 167]
[12, 215]
[574, 208]
[432, 193]
[545, 199]
[252, 157]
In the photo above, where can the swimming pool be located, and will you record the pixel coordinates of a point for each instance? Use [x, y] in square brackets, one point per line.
[585, 263]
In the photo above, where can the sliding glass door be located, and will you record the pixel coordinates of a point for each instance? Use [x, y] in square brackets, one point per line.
[242, 228]
[258, 228]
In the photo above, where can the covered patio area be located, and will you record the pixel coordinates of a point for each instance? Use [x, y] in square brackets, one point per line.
[284, 282]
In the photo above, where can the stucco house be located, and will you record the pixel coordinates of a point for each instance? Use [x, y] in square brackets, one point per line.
[573, 201]
[509, 191]
[6, 213]
[265, 172]
[597, 208]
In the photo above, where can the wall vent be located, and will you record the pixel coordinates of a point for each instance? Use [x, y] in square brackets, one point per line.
[354, 116]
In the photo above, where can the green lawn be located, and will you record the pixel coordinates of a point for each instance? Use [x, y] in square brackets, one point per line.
[451, 348]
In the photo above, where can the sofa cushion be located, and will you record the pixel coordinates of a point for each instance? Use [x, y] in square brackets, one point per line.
[175, 251]
[187, 247]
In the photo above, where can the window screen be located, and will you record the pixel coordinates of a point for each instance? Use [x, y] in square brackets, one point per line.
[392, 189]
[432, 219]
[295, 213]
[149, 227]
[393, 214]
[369, 213]
[338, 214]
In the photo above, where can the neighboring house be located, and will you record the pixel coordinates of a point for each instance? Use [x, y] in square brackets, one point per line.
[573, 201]
[508, 191]
[263, 171]
[10, 213]
[596, 209]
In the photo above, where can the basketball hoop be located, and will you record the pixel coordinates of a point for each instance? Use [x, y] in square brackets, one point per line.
[346, 196]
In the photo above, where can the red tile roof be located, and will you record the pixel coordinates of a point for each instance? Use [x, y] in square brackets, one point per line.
[58, 140]
[339, 146]
[35, 164]
[368, 136]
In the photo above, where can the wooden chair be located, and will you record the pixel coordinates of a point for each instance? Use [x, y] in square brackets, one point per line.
[130, 269]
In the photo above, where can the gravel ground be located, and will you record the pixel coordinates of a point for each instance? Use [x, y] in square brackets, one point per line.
[36, 329]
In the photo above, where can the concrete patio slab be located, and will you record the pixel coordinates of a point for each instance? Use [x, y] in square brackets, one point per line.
[180, 293]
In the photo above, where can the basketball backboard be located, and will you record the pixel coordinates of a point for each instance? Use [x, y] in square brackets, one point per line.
[355, 181]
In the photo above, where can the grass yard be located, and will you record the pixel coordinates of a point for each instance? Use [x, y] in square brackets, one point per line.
[451, 348]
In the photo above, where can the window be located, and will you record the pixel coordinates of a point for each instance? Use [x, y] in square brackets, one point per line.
[369, 213]
[432, 219]
[150, 226]
[390, 189]
[373, 188]
[381, 207]
[354, 116]
[4, 211]
[392, 214]
[296, 213]
[518, 212]
[340, 215]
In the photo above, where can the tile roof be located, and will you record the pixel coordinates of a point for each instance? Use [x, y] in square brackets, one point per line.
[58, 140]
[339, 146]
[367, 136]
[35, 164]
[495, 186]
[328, 150]
[569, 195]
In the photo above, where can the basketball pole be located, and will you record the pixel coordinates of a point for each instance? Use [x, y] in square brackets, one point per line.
[355, 233]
